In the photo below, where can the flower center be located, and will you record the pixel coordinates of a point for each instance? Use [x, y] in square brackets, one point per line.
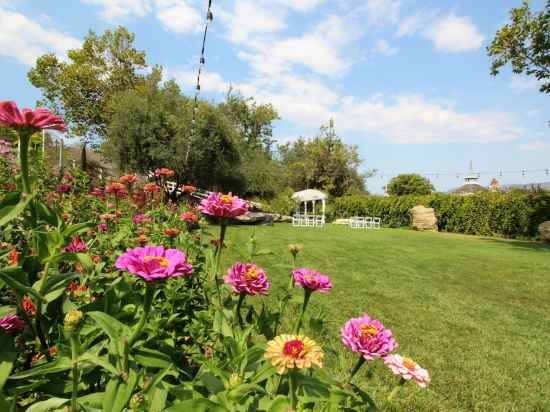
[226, 199]
[368, 331]
[161, 260]
[293, 348]
[251, 273]
[409, 363]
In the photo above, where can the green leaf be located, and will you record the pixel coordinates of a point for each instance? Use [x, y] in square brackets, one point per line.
[18, 286]
[94, 400]
[213, 384]
[157, 379]
[197, 405]
[152, 358]
[7, 357]
[124, 392]
[158, 400]
[59, 365]
[47, 405]
[76, 228]
[7, 213]
[244, 390]
[280, 404]
[111, 326]
[101, 361]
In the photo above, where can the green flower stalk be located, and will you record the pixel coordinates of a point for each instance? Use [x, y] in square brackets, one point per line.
[72, 322]
[307, 296]
[242, 297]
[147, 303]
[356, 368]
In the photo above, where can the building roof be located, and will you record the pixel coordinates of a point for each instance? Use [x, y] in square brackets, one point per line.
[308, 195]
[468, 188]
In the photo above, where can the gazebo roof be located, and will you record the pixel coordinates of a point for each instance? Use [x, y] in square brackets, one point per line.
[308, 195]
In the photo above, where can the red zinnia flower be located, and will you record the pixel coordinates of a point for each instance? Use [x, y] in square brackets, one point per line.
[164, 171]
[128, 179]
[188, 189]
[151, 188]
[14, 257]
[115, 188]
[28, 306]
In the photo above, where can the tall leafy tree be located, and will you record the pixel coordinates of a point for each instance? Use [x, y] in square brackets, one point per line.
[524, 42]
[81, 88]
[323, 162]
[150, 128]
[409, 184]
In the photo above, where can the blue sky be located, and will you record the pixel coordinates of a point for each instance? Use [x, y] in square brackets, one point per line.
[405, 80]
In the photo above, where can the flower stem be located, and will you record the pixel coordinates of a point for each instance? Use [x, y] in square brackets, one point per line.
[75, 344]
[307, 295]
[147, 303]
[292, 390]
[223, 228]
[24, 138]
[242, 296]
[356, 368]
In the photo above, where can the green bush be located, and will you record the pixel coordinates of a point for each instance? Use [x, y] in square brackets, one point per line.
[514, 214]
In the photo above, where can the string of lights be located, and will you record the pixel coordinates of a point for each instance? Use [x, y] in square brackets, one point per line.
[202, 61]
[458, 175]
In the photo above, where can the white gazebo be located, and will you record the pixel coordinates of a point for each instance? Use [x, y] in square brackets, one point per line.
[305, 208]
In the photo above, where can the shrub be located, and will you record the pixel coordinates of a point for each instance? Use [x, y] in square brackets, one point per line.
[514, 214]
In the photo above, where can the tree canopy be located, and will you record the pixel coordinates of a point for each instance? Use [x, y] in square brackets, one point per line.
[409, 184]
[524, 42]
[323, 162]
[81, 89]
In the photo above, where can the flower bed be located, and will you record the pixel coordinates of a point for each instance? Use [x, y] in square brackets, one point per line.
[115, 299]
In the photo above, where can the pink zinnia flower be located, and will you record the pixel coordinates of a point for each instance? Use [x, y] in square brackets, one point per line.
[63, 187]
[12, 323]
[76, 246]
[408, 369]
[311, 279]
[97, 192]
[368, 337]
[154, 263]
[68, 177]
[102, 227]
[140, 218]
[220, 205]
[38, 119]
[247, 278]
[128, 179]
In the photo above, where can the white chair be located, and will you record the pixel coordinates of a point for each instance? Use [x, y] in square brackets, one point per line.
[376, 223]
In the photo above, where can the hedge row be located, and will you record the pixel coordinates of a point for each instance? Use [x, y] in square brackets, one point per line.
[514, 214]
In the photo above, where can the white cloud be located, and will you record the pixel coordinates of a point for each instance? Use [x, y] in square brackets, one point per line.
[415, 23]
[250, 18]
[522, 84]
[178, 15]
[535, 146]
[299, 5]
[187, 79]
[381, 11]
[383, 47]
[414, 119]
[119, 9]
[25, 39]
[454, 34]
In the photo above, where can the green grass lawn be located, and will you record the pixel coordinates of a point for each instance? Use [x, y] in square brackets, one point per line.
[474, 311]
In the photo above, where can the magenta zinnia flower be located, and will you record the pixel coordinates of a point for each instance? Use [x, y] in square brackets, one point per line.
[63, 187]
[220, 205]
[247, 278]
[408, 369]
[311, 279]
[76, 246]
[12, 323]
[368, 337]
[154, 263]
[140, 218]
[38, 119]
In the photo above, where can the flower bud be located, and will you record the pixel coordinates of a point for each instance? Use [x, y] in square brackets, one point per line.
[72, 320]
[136, 401]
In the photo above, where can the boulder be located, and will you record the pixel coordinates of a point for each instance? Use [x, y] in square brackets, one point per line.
[341, 222]
[282, 218]
[423, 218]
[256, 218]
[544, 230]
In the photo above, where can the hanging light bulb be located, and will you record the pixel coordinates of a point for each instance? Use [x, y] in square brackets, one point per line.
[209, 15]
[202, 60]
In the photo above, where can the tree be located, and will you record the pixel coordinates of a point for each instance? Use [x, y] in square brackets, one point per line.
[525, 43]
[81, 89]
[409, 184]
[150, 128]
[324, 162]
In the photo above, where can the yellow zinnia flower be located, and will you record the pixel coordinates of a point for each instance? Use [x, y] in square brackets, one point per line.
[293, 351]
